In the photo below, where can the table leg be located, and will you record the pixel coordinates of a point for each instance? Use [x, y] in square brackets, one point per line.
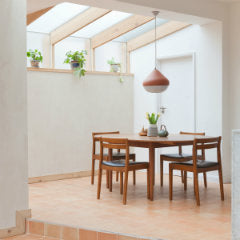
[151, 171]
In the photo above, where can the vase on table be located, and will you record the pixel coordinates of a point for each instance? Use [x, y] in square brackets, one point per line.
[152, 130]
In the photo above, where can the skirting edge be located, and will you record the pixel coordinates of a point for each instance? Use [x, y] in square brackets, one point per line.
[20, 227]
[56, 177]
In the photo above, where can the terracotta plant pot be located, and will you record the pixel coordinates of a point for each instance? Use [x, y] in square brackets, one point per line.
[74, 64]
[35, 63]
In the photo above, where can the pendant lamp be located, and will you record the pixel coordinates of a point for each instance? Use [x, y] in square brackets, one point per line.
[156, 82]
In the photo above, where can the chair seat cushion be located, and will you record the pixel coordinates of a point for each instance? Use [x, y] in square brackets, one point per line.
[176, 155]
[121, 163]
[200, 163]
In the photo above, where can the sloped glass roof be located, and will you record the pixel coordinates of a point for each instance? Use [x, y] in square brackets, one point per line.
[64, 12]
[140, 30]
[101, 24]
[55, 17]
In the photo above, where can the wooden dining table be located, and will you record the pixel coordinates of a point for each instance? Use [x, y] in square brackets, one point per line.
[151, 143]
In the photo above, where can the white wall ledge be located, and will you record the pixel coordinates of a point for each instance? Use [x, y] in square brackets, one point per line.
[70, 71]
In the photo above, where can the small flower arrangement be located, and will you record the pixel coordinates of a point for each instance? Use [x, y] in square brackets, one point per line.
[152, 118]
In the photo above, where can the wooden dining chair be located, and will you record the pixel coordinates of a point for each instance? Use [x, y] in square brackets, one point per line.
[116, 156]
[122, 166]
[181, 157]
[197, 166]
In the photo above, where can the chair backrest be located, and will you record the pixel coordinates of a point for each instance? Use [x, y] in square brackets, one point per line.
[206, 144]
[97, 139]
[192, 133]
[114, 143]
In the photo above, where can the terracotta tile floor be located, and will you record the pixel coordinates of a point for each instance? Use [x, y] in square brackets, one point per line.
[73, 202]
[26, 237]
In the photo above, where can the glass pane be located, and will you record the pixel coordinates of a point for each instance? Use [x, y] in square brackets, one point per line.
[56, 17]
[101, 24]
[140, 30]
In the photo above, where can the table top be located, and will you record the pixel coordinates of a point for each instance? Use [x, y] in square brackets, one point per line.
[172, 139]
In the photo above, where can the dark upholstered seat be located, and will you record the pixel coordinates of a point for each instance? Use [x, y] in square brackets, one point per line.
[200, 163]
[176, 155]
[121, 163]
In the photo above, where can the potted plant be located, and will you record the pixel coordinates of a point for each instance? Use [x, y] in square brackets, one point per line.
[77, 61]
[152, 119]
[114, 66]
[35, 57]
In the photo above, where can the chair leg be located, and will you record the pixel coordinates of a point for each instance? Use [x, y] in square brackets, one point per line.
[221, 183]
[121, 182]
[161, 171]
[110, 181]
[170, 182]
[205, 179]
[93, 171]
[107, 178]
[99, 182]
[182, 176]
[196, 187]
[185, 180]
[134, 173]
[117, 176]
[148, 184]
[125, 188]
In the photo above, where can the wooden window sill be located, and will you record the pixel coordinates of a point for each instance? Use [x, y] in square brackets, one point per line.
[70, 71]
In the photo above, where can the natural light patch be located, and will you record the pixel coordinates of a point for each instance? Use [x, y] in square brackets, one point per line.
[140, 30]
[101, 24]
[56, 17]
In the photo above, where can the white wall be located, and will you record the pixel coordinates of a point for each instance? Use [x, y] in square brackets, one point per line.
[234, 67]
[63, 111]
[13, 111]
[235, 185]
[206, 42]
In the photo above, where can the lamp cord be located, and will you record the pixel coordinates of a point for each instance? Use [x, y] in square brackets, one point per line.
[155, 42]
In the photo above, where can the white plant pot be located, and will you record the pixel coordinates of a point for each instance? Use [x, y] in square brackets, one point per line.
[115, 67]
[152, 130]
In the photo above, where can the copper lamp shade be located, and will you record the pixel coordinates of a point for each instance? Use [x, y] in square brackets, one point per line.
[156, 82]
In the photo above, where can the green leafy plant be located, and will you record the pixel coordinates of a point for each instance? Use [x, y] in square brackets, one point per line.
[152, 118]
[114, 66]
[35, 55]
[112, 61]
[78, 57]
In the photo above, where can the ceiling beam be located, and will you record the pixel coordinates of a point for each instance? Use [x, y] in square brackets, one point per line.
[119, 29]
[77, 23]
[35, 15]
[149, 37]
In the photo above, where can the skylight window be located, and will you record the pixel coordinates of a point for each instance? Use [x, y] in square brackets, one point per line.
[140, 30]
[101, 24]
[55, 17]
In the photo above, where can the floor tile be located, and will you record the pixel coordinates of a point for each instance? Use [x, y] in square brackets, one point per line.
[87, 235]
[36, 228]
[69, 233]
[73, 202]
